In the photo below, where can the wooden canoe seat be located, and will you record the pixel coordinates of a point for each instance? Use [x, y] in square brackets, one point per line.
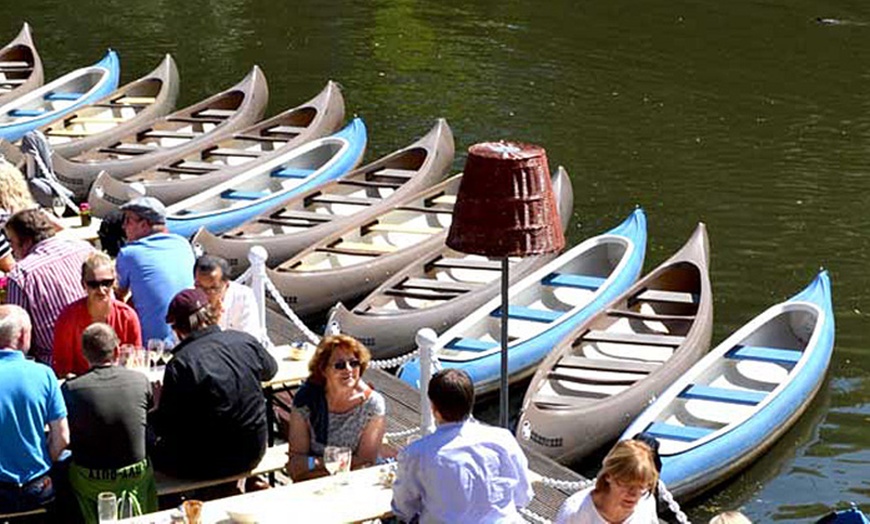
[296, 215]
[421, 294]
[766, 354]
[324, 198]
[531, 314]
[437, 285]
[194, 119]
[471, 344]
[12, 81]
[129, 149]
[97, 119]
[57, 96]
[600, 364]
[404, 174]
[423, 209]
[68, 132]
[568, 400]
[291, 172]
[358, 248]
[259, 138]
[641, 339]
[228, 151]
[370, 183]
[466, 263]
[189, 167]
[582, 376]
[675, 432]
[659, 295]
[273, 460]
[134, 100]
[284, 130]
[24, 113]
[215, 113]
[447, 200]
[649, 316]
[571, 280]
[160, 133]
[15, 65]
[730, 396]
[402, 228]
[237, 194]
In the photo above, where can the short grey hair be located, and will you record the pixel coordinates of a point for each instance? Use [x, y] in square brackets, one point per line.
[99, 341]
[13, 320]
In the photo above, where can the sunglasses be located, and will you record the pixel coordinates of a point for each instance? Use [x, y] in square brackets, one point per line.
[340, 365]
[96, 284]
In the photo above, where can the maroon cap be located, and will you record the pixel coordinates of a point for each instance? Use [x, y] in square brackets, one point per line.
[186, 303]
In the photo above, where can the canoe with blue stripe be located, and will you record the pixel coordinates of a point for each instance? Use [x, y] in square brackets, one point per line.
[611, 366]
[183, 175]
[317, 213]
[732, 405]
[438, 290]
[177, 133]
[20, 67]
[268, 185]
[543, 308]
[59, 97]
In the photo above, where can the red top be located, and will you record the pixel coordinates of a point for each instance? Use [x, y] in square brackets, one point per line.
[71, 323]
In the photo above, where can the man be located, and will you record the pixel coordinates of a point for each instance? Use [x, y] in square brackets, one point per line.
[46, 277]
[99, 305]
[464, 471]
[107, 412]
[235, 302]
[30, 399]
[154, 265]
[210, 420]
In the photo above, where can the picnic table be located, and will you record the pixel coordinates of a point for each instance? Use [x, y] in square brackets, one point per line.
[363, 494]
[73, 229]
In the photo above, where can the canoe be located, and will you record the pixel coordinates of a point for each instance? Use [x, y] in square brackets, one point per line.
[20, 67]
[852, 515]
[175, 134]
[356, 259]
[543, 308]
[59, 97]
[126, 108]
[732, 405]
[314, 214]
[600, 376]
[242, 198]
[212, 163]
[436, 291]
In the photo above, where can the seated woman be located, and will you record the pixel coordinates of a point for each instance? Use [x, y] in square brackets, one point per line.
[335, 407]
[621, 493]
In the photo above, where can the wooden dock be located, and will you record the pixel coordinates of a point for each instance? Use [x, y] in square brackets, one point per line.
[403, 413]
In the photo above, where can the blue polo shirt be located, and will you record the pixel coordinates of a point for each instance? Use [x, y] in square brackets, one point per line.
[29, 399]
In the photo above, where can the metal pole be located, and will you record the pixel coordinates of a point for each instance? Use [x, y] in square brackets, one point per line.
[503, 396]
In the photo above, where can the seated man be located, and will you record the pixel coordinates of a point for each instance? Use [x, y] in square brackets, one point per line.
[100, 305]
[210, 420]
[464, 471]
[107, 412]
[235, 302]
[30, 399]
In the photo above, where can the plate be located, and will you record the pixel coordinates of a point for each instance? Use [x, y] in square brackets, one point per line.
[243, 517]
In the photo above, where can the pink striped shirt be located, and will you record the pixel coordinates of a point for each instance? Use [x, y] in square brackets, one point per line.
[44, 282]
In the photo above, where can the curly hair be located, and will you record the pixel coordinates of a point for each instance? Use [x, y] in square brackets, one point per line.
[329, 345]
[14, 194]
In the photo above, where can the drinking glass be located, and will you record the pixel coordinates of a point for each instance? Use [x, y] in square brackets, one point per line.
[155, 351]
[107, 507]
[58, 206]
[337, 459]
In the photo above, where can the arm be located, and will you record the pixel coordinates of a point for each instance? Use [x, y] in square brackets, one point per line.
[58, 437]
[300, 449]
[369, 442]
[7, 263]
[267, 362]
[407, 493]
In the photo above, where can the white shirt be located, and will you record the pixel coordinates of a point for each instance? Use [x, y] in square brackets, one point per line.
[239, 310]
[463, 472]
[579, 509]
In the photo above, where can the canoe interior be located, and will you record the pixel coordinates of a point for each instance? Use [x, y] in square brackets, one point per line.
[171, 131]
[633, 338]
[734, 387]
[239, 150]
[102, 117]
[539, 307]
[60, 98]
[342, 198]
[16, 66]
[400, 228]
[267, 183]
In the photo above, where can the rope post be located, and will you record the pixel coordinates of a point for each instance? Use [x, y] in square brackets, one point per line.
[257, 257]
[425, 339]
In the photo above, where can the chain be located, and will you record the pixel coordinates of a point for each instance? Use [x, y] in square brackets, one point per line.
[393, 362]
[534, 517]
[403, 433]
[566, 485]
[314, 339]
[666, 497]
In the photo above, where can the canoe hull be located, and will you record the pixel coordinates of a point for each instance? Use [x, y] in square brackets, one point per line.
[22, 49]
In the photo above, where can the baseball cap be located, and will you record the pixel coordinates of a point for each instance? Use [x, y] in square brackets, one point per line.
[185, 303]
[148, 208]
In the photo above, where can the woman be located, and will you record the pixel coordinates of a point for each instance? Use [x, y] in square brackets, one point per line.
[730, 517]
[335, 407]
[621, 494]
[14, 196]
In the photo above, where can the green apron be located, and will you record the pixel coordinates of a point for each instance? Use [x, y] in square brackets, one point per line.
[135, 483]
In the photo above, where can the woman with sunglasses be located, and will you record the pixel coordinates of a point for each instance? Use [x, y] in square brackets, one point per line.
[621, 494]
[98, 305]
[335, 407]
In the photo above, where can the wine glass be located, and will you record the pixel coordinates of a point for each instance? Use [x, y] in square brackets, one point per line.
[336, 459]
[155, 351]
[58, 206]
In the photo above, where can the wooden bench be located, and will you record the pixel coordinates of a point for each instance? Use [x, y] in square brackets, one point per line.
[342, 199]
[160, 133]
[232, 151]
[641, 339]
[273, 460]
[370, 183]
[466, 263]
[660, 295]
[614, 365]
[438, 285]
[134, 101]
[98, 120]
[385, 227]
[284, 130]
[636, 315]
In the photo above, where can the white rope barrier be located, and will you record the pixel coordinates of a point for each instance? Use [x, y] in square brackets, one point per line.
[245, 278]
[404, 433]
[567, 485]
[666, 497]
[276, 295]
[394, 362]
[534, 517]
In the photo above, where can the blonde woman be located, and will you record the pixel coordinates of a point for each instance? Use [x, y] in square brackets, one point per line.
[730, 517]
[622, 491]
[14, 196]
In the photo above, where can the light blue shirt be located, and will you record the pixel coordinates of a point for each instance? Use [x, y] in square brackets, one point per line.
[463, 472]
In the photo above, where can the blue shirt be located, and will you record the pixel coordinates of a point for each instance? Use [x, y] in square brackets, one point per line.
[463, 472]
[29, 399]
[154, 269]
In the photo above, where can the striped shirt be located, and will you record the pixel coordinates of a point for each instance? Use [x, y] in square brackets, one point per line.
[44, 282]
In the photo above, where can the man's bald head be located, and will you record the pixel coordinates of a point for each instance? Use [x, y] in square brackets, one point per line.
[14, 328]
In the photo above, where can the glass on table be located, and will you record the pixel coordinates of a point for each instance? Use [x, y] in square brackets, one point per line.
[155, 350]
[336, 460]
[107, 507]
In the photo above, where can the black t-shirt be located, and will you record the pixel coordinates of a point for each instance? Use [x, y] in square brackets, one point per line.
[107, 411]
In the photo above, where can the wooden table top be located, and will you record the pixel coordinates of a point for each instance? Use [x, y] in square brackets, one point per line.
[73, 229]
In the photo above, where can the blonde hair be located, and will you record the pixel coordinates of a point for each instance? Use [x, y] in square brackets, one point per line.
[95, 260]
[730, 517]
[630, 462]
[14, 194]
